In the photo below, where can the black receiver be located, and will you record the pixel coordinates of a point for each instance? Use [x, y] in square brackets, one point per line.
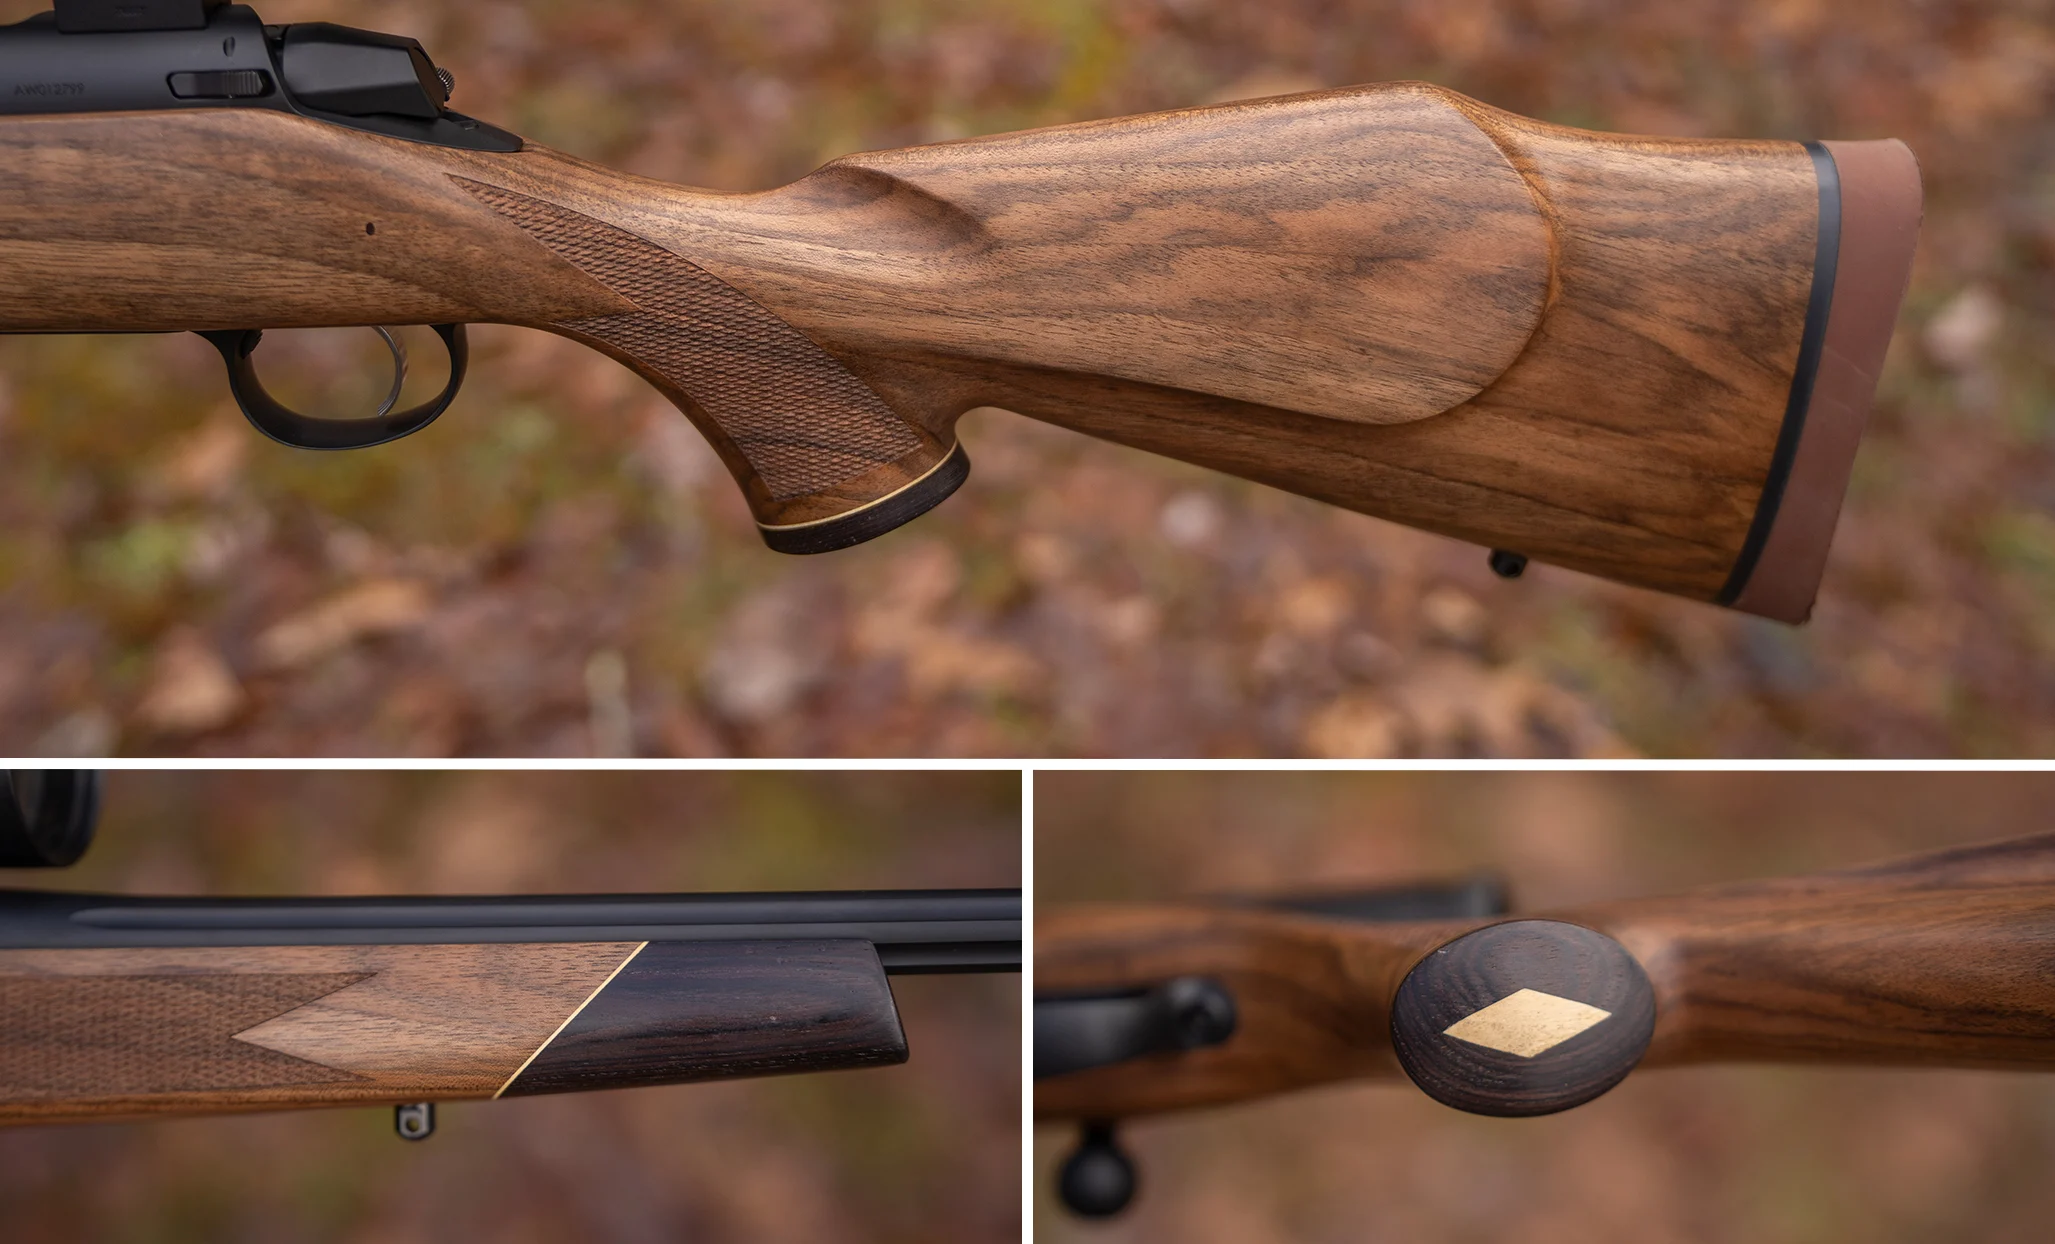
[135, 55]
[154, 55]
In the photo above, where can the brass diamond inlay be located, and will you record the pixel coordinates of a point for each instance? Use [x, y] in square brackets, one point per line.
[1526, 1023]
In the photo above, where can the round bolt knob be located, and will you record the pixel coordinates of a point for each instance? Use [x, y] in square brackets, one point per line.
[1523, 1018]
[1098, 1178]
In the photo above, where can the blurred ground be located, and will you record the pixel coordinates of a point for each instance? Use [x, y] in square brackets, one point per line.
[559, 567]
[1730, 1155]
[924, 1152]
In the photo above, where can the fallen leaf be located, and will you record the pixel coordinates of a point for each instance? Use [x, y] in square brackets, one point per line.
[939, 661]
[203, 464]
[1314, 607]
[381, 607]
[1453, 615]
[191, 689]
[1961, 333]
[1191, 519]
[1355, 726]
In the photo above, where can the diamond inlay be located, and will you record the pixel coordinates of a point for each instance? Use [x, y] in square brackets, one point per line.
[1526, 1023]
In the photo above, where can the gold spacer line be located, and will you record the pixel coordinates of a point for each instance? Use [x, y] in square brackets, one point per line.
[567, 1020]
[836, 518]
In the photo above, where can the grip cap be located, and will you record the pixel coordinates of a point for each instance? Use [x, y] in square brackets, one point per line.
[1523, 1018]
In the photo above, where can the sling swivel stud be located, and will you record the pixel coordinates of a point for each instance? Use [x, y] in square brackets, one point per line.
[415, 1120]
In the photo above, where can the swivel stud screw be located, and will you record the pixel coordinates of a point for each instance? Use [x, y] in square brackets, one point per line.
[415, 1120]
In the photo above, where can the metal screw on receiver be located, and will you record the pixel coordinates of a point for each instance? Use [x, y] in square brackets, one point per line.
[415, 1120]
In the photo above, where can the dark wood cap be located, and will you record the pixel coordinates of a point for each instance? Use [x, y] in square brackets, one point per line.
[1522, 1018]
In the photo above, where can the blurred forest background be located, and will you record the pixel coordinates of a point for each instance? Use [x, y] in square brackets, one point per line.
[1717, 1155]
[923, 1153]
[560, 567]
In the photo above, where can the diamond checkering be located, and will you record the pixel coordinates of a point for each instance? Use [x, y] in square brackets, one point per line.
[1526, 1023]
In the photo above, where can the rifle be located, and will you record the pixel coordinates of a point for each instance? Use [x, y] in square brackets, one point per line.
[124, 1007]
[1648, 359]
[1938, 960]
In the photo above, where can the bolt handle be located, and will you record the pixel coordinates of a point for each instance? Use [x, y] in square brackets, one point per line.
[1078, 1032]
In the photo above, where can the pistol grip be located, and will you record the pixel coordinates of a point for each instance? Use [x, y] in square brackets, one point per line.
[823, 461]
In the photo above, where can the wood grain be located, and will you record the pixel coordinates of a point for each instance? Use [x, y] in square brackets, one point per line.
[112, 1033]
[1391, 298]
[1944, 960]
[1312, 1000]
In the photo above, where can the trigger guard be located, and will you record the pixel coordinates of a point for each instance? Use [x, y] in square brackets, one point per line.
[289, 427]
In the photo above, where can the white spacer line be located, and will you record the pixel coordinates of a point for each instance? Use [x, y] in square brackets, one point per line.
[567, 1020]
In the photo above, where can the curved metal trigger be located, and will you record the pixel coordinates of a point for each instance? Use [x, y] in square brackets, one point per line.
[399, 370]
[289, 427]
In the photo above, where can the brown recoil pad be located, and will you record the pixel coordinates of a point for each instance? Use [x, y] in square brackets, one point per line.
[1880, 207]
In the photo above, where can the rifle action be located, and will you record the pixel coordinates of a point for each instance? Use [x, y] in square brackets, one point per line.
[1644, 358]
[1939, 960]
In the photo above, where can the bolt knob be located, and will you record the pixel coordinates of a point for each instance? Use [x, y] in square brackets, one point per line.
[1098, 1179]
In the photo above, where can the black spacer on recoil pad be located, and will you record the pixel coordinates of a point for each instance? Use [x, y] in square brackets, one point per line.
[1523, 1018]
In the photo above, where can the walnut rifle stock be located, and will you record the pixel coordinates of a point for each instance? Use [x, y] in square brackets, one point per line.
[123, 1007]
[1941, 960]
[1645, 358]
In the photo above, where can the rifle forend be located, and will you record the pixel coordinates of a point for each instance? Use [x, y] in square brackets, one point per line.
[1645, 358]
[121, 1007]
[1939, 960]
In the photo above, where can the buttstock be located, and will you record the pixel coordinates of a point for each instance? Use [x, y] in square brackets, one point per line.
[1938, 960]
[1935, 960]
[95, 1034]
[1649, 359]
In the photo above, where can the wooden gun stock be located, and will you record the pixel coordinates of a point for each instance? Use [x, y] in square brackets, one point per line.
[123, 1006]
[1940, 960]
[1649, 359]
[122, 1033]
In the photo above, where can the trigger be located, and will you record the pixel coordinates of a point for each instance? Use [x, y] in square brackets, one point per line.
[289, 427]
[399, 370]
